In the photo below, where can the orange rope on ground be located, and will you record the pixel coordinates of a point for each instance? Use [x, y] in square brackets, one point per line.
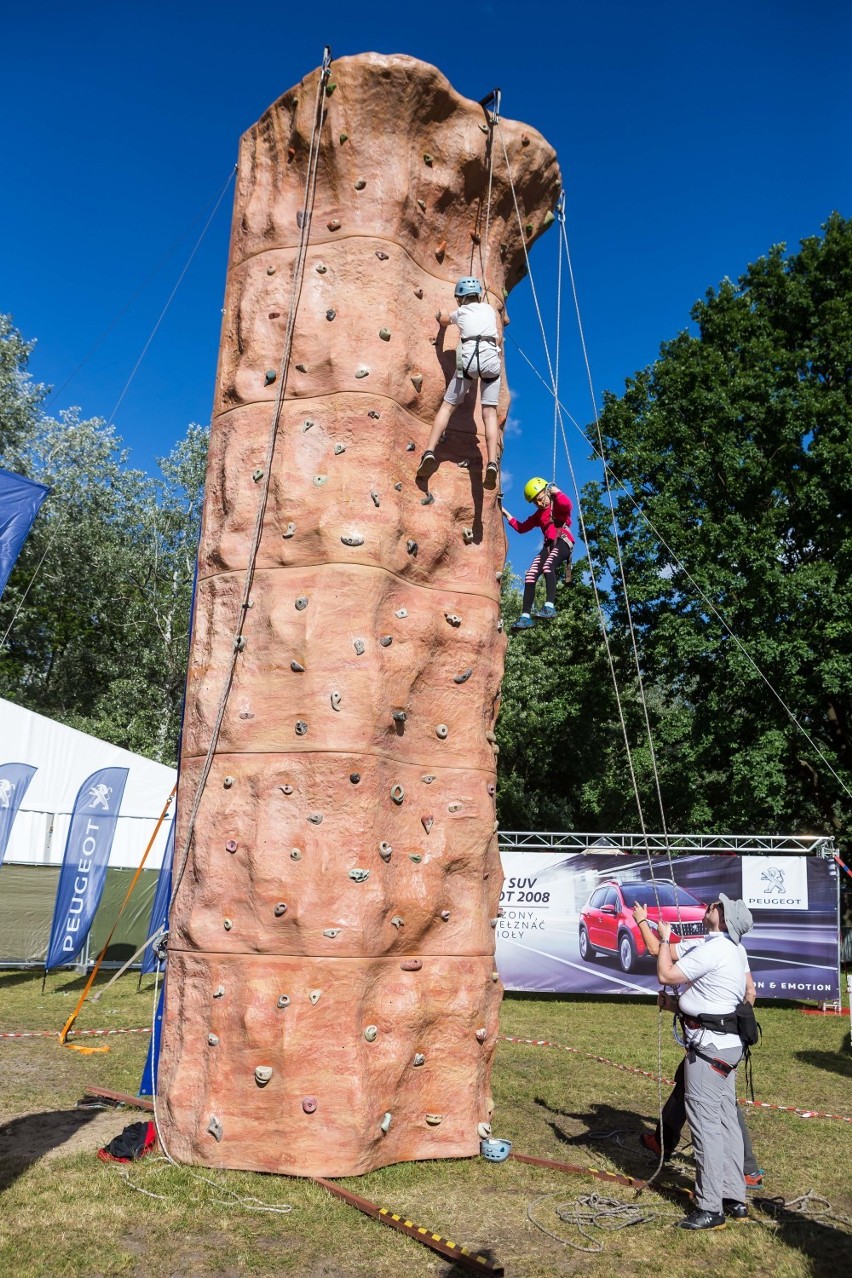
[72, 1018]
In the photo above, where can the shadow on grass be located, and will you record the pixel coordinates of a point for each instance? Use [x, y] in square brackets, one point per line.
[25, 1140]
[826, 1247]
[839, 1062]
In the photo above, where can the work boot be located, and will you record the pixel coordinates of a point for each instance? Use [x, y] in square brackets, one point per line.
[428, 465]
[703, 1220]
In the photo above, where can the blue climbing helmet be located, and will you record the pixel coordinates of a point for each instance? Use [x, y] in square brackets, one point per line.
[494, 1150]
[467, 285]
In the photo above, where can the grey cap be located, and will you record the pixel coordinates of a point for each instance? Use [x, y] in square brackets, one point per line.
[738, 919]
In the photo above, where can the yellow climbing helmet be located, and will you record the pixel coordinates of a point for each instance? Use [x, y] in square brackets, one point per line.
[533, 487]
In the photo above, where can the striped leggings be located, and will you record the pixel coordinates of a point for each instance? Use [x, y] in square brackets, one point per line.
[546, 564]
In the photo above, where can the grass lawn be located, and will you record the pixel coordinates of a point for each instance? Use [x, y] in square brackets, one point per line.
[62, 1212]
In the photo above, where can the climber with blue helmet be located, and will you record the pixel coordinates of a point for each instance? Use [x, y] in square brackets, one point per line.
[553, 516]
[477, 359]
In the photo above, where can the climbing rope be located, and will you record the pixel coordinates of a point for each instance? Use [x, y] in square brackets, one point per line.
[560, 214]
[492, 118]
[595, 1211]
[298, 277]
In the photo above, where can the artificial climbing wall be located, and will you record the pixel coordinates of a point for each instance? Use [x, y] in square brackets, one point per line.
[331, 1003]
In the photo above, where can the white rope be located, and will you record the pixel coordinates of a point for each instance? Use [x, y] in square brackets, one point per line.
[560, 213]
[493, 118]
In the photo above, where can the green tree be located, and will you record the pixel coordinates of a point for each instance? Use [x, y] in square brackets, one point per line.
[736, 445]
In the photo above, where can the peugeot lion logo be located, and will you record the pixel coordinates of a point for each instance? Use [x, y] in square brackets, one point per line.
[7, 789]
[773, 877]
[99, 796]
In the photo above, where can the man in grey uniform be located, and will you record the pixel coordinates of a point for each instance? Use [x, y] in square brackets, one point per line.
[714, 978]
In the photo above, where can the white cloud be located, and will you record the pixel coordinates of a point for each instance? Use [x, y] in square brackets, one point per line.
[505, 479]
[512, 427]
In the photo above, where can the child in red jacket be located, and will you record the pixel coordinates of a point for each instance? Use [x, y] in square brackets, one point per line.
[553, 516]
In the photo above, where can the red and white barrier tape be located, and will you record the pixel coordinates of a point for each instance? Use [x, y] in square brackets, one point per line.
[649, 1073]
[144, 1029]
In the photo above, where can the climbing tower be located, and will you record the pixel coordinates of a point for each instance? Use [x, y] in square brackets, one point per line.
[331, 999]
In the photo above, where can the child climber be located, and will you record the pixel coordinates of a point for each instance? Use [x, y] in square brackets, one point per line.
[477, 359]
[553, 517]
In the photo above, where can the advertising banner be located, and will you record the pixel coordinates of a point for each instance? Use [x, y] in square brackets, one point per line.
[162, 898]
[84, 865]
[567, 927]
[20, 500]
[14, 779]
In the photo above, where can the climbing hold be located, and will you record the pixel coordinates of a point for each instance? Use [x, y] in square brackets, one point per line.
[385, 851]
[524, 140]
[500, 626]
[428, 160]
[331, 932]
[362, 372]
[301, 603]
[283, 1000]
[489, 736]
[411, 965]
[484, 128]
[464, 676]
[494, 922]
[301, 728]
[371, 1033]
[384, 334]
[434, 1119]
[286, 789]
[441, 250]
[548, 221]
[319, 480]
[360, 184]
[397, 794]
[419, 1059]
[352, 541]
[410, 446]
[383, 257]
[344, 137]
[219, 991]
[386, 1122]
[401, 612]
[415, 857]
[270, 270]
[492, 789]
[358, 645]
[301, 368]
[228, 782]
[454, 807]
[213, 1040]
[338, 449]
[386, 641]
[421, 204]
[335, 700]
[464, 464]
[291, 528]
[411, 547]
[330, 314]
[358, 875]
[257, 475]
[315, 818]
[477, 239]
[397, 922]
[483, 1131]
[481, 1035]
[354, 777]
[262, 1074]
[428, 778]
[280, 909]
[375, 497]
[441, 731]
[334, 224]
[297, 667]
[427, 500]
[445, 915]
[467, 536]
[495, 976]
[399, 716]
[230, 846]
[309, 1104]
[427, 822]
[245, 713]
[374, 415]
[295, 854]
[329, 89]
[214, 1127]
[227, 924]
[452, 619]
[315, 996]
[239, 643]
[417, 382]
[529, 228]
[269, 376]
[418, 292]
[320, 268]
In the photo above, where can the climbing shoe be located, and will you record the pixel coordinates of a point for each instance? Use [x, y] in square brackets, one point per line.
[734, 1210]
[754, 1178]
[428, 465]
[546, 612]
[524, 622]
[703, 1220]
[491, 473]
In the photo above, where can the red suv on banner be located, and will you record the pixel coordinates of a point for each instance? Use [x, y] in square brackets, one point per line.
[607, 923]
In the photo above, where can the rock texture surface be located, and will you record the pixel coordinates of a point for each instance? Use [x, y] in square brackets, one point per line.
[331, 1000]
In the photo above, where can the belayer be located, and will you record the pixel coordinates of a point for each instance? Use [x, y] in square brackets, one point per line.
[477, 359]
[553, 516]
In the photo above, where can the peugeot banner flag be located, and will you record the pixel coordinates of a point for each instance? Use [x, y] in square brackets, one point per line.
[14, 779]
[160, 908]
[84, 865]
[20, 500]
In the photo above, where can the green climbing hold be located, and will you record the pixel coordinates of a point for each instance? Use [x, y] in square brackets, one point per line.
[329, 89]
[344, 137]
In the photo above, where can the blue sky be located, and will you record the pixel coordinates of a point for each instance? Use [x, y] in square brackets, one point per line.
[691, 138]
